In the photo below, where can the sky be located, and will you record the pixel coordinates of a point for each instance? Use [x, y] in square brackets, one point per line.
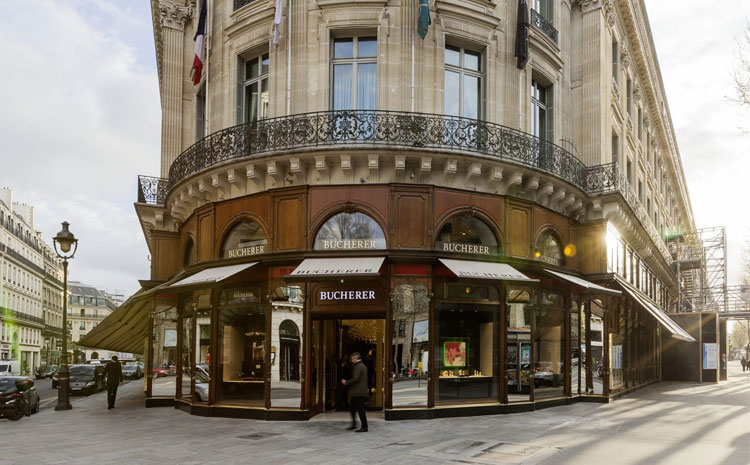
[80, 120]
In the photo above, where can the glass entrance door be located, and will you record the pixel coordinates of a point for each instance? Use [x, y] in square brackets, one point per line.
[338, 338]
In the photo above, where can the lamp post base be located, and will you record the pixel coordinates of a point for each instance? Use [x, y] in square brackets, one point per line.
[59, 407]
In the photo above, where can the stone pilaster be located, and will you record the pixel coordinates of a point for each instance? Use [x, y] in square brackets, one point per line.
[173, 20]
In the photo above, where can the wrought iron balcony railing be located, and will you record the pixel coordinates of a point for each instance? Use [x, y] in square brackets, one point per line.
[10, 316]
[606, 179]
[152, 190]
[544, 25]
[240, 3]
[394, 129]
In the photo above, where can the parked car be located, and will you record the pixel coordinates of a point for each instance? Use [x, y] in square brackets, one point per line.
[202, 379]
[160, 371]
[87, 379]
[10, 368]
[11, 392]
[45, 371]
[132, 370]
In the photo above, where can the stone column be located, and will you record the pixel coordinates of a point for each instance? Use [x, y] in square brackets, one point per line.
[173, 20]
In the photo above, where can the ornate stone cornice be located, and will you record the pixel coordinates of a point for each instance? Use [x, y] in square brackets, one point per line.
[175, 16]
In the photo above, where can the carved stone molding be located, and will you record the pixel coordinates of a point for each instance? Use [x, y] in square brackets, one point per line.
[637, 92]
[589, 5]
[175, 16]
[625, 57]
[609, 12]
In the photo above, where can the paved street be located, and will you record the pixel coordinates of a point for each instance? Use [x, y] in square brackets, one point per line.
[670, 423]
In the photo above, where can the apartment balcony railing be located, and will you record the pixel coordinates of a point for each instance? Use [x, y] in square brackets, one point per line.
[7, 315]
[21, 258]
[152, 190]
[544, 25]
[372, 128]
[606, 179]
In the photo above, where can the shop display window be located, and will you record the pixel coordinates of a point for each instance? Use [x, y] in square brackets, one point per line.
[575, 348]
[549, 345]
[202, 355]
[287, 368]
[518, 344]
[186, 364]
[164, 355]
[467, 354]
[410, 345]
[467, 234]
[242, 343]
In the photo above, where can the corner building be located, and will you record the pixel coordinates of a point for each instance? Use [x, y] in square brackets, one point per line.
[486, 236]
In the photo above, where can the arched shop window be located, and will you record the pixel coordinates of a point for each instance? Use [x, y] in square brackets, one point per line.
[549, 248]
[245, 238]
[467, 234]
[349, 231]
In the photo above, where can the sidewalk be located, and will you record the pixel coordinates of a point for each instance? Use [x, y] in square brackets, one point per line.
[669, 423]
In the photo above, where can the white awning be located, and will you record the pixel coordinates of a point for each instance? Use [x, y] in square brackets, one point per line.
[485, 270]
[590, 287]
[668, 323]
[213, 275]
[338, 267]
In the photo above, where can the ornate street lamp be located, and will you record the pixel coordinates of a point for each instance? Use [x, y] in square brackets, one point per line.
[64, 241]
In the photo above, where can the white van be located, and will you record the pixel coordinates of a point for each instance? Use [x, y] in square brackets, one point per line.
[10, 368]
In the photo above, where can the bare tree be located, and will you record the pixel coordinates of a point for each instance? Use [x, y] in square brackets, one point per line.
[741, 72]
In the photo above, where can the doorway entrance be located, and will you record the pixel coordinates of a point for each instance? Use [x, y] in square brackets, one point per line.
[334, 340]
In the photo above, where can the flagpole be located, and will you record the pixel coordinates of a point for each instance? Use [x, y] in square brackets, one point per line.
[413, 40]
[289, 59]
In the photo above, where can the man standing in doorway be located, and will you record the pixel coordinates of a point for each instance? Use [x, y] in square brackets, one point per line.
[358, 391]
[114, 378]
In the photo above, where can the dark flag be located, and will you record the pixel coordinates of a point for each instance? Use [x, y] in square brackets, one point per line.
[423, 19]
[522, 35]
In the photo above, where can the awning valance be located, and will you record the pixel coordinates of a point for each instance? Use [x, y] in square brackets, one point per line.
[338, 267]
[485, 270]
[669, 324]
[124, 330]
[589, 287]
[212, 275]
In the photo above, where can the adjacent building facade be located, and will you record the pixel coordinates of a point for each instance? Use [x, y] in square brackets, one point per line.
[31, 290]
[485, 229]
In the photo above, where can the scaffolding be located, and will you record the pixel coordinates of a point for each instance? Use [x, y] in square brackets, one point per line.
[702, 269]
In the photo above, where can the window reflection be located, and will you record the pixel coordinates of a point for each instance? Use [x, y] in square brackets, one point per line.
[245, 238]
[410, 345]
[467, 234]
[164, 339]
[549, 344]
[202, 355]
[518, 344]
[349, 231]
[287, 303]
[186, 364]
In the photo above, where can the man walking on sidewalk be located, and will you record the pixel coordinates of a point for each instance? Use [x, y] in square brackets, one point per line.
[114, 378]
[358, 391]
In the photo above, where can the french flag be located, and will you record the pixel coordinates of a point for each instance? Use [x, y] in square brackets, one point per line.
[200, 36]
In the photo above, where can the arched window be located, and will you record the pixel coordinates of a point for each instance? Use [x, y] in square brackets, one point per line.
[189, 257]
[466, 234]
[245, 238]
[549, 248]
[349, 231]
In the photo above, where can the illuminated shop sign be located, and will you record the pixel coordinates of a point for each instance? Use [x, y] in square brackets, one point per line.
[347, 244]
[466, 248]
[246, 251]
[347, 295]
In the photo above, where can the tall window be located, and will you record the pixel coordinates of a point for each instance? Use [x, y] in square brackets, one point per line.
[640, 126]
[200, 113]
[463, 82]
[629, 91]
[615, 148]
[615, 62]
[253, 83]
[541, 110]
[629, 172]
[543, 7]
[355, 73]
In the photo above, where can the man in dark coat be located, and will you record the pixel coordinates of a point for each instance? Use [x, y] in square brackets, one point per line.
[358, 391]
[114, 378]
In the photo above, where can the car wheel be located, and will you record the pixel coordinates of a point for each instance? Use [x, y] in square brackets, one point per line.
[36, 406]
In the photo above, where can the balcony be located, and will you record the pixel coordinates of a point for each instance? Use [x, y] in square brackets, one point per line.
[13, 316]
[607, 179]
[25, 261]
[365, 129]
[544, 25]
